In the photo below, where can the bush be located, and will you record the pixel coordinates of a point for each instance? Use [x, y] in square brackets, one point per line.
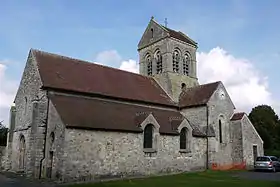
[273, 153]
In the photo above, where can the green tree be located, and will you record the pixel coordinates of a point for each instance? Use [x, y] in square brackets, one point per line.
[267, 123]
[3, 134]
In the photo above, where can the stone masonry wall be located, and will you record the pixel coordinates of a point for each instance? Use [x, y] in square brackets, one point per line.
[237, 147]
[109, 154]
[2, 157]
[221, 109]
[250, 138]
[30, 105]
[53, 165]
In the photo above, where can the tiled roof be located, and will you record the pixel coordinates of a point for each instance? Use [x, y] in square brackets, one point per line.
[237, 116]
[89, 113]
[198, 95]
[180, 36]
[76, 75]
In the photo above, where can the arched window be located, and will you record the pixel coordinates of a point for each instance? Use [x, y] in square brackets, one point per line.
[22, 149]
[183, 86]
[183, 138]
[176, 60]
[186, 63]
[158, 59]
[52, 138]
[220, 131]
[148, 136]
[149, 65]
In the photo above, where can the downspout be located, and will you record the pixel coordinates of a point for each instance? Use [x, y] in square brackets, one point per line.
[207, 140]
[45, 138]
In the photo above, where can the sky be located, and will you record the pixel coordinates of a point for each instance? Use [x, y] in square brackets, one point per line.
[238, 40]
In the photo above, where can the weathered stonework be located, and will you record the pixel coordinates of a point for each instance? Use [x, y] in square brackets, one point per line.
[109, 154]
[2, 157]
[250, 138]
[51, 150]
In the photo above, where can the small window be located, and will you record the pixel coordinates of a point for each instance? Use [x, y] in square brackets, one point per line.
[149, 65]
[176, 60]
[148, 136]
[158, 58]
[183, 86]
[186, 63]
[25, 105]
[220, 131]
[152, 32]
[183, 138]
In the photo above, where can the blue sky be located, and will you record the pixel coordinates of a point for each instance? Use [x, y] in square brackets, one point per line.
[83, 29]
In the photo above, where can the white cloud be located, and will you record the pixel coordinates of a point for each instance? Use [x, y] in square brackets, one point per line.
[7, 92]
[130, 65]
[245, 84]
[110, 57]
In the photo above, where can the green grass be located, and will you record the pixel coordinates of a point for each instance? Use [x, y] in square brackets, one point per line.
[201, 179]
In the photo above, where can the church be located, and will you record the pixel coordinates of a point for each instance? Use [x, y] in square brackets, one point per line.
[74, 120]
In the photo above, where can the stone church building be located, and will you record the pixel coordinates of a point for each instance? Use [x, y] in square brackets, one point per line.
[75, 120]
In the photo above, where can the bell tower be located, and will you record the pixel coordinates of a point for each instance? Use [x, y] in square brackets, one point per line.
[169, 57]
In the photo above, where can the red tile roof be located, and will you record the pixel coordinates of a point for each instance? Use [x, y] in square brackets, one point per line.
[198, 95]
[89, 113]
[237, 116]
[70, 74]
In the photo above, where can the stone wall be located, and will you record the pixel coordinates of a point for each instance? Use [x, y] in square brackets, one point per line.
[30, 121]
[2, 157]
[221, 109]
[109, 154]
[237, 144]
[52, 166]
[250, 137]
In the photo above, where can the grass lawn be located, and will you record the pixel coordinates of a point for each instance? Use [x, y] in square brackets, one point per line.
[200, 179]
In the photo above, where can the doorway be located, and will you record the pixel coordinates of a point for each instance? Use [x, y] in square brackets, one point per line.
[255, 152]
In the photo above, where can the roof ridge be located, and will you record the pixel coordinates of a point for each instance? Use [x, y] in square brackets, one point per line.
[84, 61]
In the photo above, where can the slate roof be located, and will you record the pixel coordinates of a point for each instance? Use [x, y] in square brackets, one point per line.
[90, 113]
[198, 95]
[180, 36]
[237, 116]
[70, 74]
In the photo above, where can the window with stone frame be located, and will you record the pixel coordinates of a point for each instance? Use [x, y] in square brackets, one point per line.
[149, 65]
[158, 59]
[186, 63]
[176, 60]
[184, 140]
[220, 131]
[148, 136]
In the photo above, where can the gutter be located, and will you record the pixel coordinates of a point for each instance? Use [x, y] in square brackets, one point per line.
[207, 140]
[45, 138]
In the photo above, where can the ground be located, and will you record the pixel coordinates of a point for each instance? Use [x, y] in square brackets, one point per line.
[201, 179]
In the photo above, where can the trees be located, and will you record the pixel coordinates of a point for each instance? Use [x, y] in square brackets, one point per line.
[267, 123]
[3, 134]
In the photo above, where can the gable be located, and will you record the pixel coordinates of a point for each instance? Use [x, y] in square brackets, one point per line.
[64, 73]
[197, 95]
[153, 32]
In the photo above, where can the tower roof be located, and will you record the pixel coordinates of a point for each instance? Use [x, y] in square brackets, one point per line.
[180, 36]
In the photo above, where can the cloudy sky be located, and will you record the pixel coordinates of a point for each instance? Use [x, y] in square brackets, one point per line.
[238, 40]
